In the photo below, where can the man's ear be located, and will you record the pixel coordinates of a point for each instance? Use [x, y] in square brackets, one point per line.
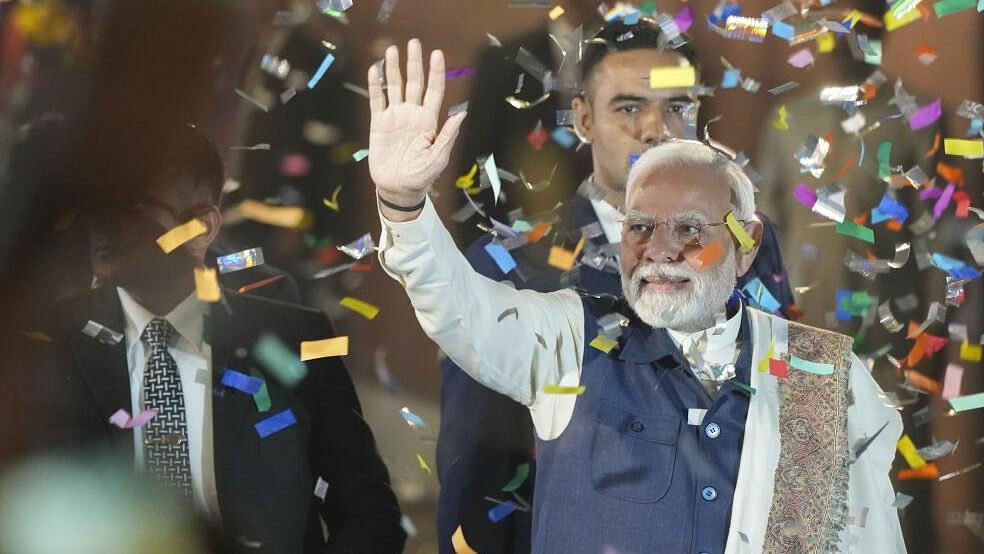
[743, 260]
[212, 218]
[583, 119]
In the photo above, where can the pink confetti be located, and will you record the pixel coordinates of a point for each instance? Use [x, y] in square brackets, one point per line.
[944, 201]
[805, 195]
[123, 420]
[684, 19]
[926, 115]
[951, 383]
[801, 58]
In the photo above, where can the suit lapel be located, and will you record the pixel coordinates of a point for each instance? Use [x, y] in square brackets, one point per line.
[103, 367]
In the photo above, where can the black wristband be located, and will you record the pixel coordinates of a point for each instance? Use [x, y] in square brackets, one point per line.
[400, 208]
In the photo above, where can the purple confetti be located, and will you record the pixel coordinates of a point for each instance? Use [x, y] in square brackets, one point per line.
[805, 195]
[944, 201]
[684, 19]
[458, 73]
[926, 115]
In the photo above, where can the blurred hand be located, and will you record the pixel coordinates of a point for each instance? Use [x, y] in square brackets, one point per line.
[406, 151]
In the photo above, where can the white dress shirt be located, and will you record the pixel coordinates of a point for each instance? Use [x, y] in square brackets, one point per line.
[194, 359]
[610, 219]
[543, 343]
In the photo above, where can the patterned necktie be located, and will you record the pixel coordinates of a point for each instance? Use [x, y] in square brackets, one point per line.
[166, 435]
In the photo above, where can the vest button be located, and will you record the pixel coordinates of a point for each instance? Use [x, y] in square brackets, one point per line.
[637, 426]
[709, 493]
[713, 430]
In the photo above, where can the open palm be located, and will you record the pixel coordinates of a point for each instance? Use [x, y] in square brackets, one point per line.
[406, 152]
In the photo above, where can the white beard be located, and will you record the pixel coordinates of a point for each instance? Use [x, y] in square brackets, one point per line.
[689, 311]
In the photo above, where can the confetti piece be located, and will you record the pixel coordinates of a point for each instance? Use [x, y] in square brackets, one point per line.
[892, 22]
[555, 12]
[325, 64]
[521, 104]
[760, 297]
[684, 19]
[522, 473]
[750, 391]
[745, 240]
[274, 423]
[851, 229]
[321, 489]
[752, 29]
[557, 389]
[261, 283]
[207, 284]
[967, 469]
[423, 464]
[360, 155]
[969, 402]
[493, 174]
[123, 420]
[950, 7]
[564, 259]
[412, 419]
[672, 77]
[731, 78]
[780, 122]
[604, 343]
[926, 115]
[365, 309]
[500, 511]
[785, 87]
[709, 255]
[262, 397]
[908, 451]
[801, 58]
[181, 234]
[236, 261]
[783, 30]
[333, 203]
[805, 195]
[263, 107]
[279, 360]
[503, 259]
[458, 541]
[325, 348]
[826, 43]
[241, 382]
[811, 366]
[778, 368]
[970, 352]
[291, 217]
[930, 471]
[695, 416]
[963, 147]
[101, 333]
[359, 248]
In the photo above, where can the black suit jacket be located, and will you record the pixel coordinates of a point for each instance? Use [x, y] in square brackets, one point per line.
[265, 486]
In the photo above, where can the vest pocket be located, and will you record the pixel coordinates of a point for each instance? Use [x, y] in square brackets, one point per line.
[633, 454]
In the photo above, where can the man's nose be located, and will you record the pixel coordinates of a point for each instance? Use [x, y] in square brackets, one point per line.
[662, 247]
[652, 128]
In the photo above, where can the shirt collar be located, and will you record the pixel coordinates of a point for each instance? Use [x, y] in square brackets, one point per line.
[610, 219]
[187, 318]
[720, 347]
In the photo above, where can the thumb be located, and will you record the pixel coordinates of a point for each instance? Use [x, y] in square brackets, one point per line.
[445, 139]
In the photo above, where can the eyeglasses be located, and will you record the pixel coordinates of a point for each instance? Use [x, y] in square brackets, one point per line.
[684, 231]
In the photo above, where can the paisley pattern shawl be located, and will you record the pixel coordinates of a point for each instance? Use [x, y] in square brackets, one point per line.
[809, 507]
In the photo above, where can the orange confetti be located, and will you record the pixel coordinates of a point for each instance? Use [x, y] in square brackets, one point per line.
[893, 225]
[933, 149]
[565, 259]
[932, 386]
[709, 255]
[925, 11]
[929, 471]
[845, 168]
[861, 219]
[538, 232]
[950, 173]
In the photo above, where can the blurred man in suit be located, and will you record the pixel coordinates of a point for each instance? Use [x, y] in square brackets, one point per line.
[274, 468]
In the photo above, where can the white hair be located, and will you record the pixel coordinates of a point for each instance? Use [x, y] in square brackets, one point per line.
[685, 152]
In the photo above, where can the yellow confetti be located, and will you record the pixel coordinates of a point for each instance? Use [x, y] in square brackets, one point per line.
[291, 217]
[892, 23]
[324, 348]
[459, 543]
[744, 239]
[181, 234]
[365, 309]
[565, 259]
[207, 284]
[908, 451]
[38, 335]
[780, 121]
[970, 352]
[854, 16]
[764, 364]
[468, 179]
[963, 147]
[423, 464]
[826, 43]
[333, 203]
[604, 343]
[556, 12]
[521, 104]
[672, 77]
[557, 389]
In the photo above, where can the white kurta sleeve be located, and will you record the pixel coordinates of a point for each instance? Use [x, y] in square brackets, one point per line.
[512, 341]
[870, 484]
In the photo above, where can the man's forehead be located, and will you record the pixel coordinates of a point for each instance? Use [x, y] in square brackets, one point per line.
[693, 182]
[627, 73]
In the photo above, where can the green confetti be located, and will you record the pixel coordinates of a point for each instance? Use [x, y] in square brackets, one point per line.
[748, 389]
[851, 229]
[262, 396]
[282, 362]
[884, 160]
[522, 473]
[950, 7]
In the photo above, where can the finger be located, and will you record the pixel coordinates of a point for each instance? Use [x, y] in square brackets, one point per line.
[377, 101]
[435, 83]
[415, 72]
[394, 82]
[445, 140]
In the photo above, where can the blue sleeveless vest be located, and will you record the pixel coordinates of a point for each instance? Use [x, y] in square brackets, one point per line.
[629, 475]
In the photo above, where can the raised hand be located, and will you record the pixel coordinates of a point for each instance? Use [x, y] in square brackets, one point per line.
[406, 152]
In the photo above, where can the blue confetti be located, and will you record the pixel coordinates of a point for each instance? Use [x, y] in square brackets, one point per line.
[325, 64]
[760, 297]
[731, 78]
[500, 511]
[632, 18]
[841, 299]
[783, 30]
[501, 256]
[275, 423]
[564, 137]
[241, 381]
[954, 268]
[633, 158]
